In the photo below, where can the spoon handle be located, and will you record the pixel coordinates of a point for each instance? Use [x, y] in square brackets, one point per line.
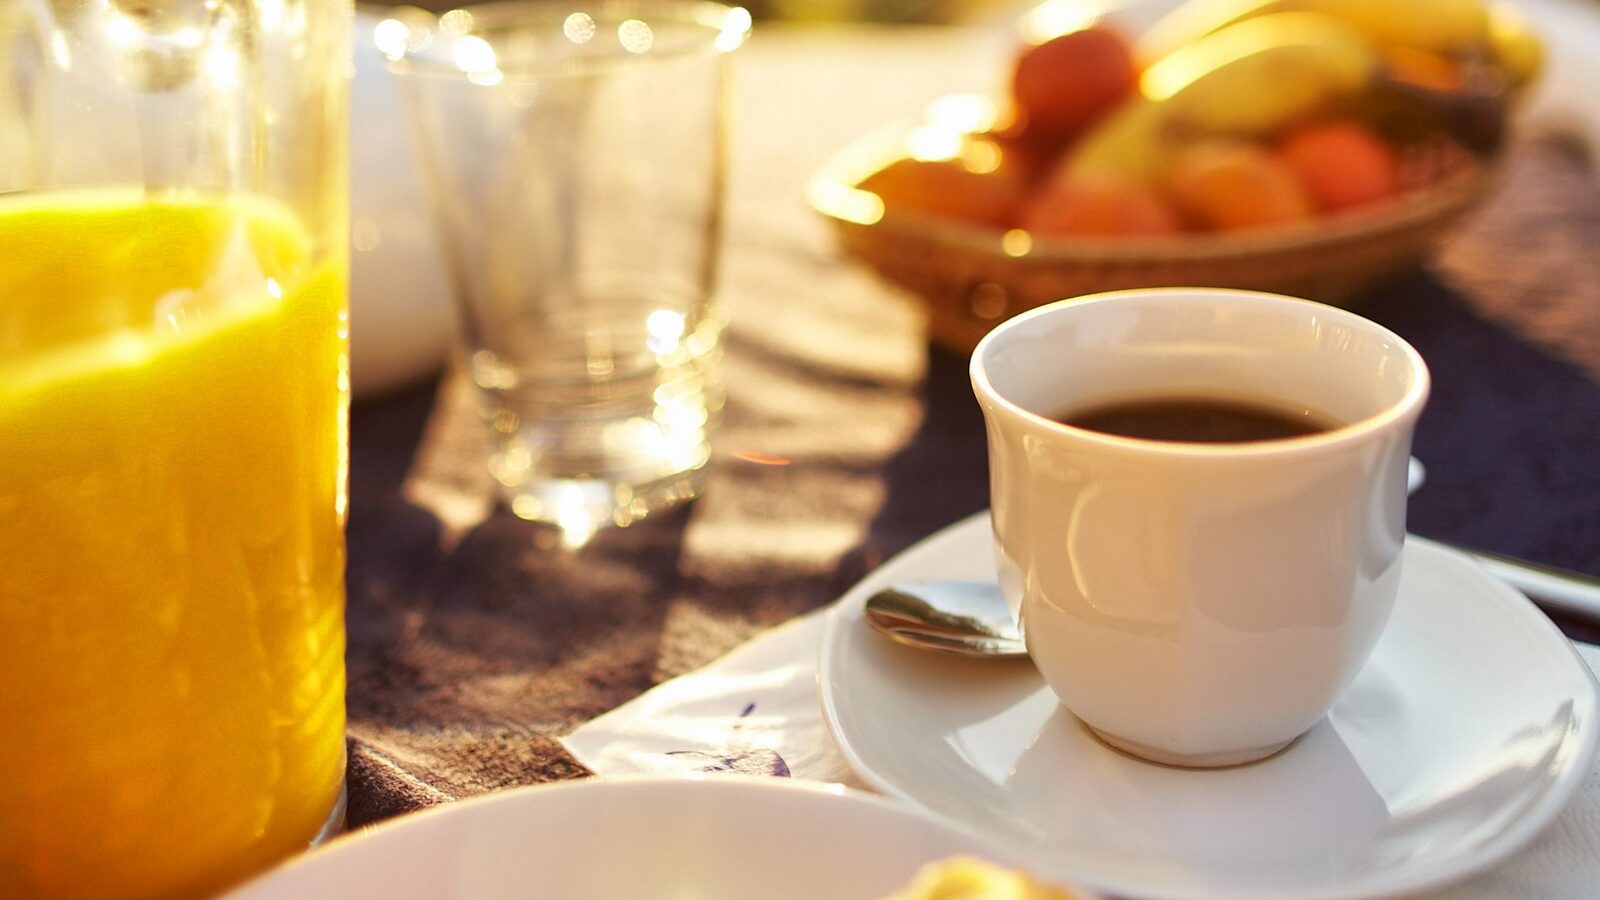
[1562, 591]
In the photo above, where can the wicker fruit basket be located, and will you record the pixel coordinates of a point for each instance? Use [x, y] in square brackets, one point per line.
[973, 277]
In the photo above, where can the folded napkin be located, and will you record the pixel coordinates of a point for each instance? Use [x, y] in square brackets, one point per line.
[755, 711]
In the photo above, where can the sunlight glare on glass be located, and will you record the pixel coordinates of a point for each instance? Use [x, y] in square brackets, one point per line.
[59, 51]
[665, 329]
[473, 54]
[635, 36]
[735, 28]
[572, 516]
[490, 373]
[456, 22]
[579, 28]
[1058, 17]
[127, 31]
[121, 31]
[222, 67]
[272, 15]
[680, 417]
[391, 37]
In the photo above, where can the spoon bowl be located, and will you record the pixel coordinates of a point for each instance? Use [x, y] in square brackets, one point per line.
[964, 618]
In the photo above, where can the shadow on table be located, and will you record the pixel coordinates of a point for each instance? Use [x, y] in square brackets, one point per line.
[939, 477]
[471, 644]
[437, 613]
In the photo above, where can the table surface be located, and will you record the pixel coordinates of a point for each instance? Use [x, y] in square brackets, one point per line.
[475, 640]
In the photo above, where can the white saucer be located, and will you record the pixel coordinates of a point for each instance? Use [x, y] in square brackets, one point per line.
[718, 838]
[1469, 729]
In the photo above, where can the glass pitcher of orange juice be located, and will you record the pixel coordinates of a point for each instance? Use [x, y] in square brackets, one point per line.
[173, 409]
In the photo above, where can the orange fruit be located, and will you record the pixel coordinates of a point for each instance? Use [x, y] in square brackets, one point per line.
[1342, 163]
[1236, 184]
[1082, 204]
[1065, 83]
[982, 184]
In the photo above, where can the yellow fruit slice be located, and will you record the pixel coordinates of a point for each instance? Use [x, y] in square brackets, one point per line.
[1261, 74]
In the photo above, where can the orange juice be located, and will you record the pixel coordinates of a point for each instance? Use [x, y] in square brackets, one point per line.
[172, 432]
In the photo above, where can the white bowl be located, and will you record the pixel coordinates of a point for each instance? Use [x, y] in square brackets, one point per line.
[401, 322]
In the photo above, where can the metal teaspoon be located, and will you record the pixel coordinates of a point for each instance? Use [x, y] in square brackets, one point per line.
[965, 618]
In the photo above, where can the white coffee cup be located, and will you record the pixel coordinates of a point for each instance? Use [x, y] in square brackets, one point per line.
[1198, 604]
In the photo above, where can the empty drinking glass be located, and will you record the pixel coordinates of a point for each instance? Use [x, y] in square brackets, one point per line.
[574, 156]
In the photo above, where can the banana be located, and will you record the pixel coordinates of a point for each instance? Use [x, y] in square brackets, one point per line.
[1516, 47]
[1449, 27]
[1128, 142]
[1256, 75]
[1250, 78]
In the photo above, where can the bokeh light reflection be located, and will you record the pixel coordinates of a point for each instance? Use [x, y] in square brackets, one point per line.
[579, 28]
[635, 36]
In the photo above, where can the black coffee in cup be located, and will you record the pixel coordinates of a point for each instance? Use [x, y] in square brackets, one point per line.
[1202, 420]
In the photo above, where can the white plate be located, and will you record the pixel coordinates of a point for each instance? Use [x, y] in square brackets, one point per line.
[718, 838]
[1468, 730]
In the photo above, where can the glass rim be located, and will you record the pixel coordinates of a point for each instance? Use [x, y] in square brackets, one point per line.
[406, 34]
